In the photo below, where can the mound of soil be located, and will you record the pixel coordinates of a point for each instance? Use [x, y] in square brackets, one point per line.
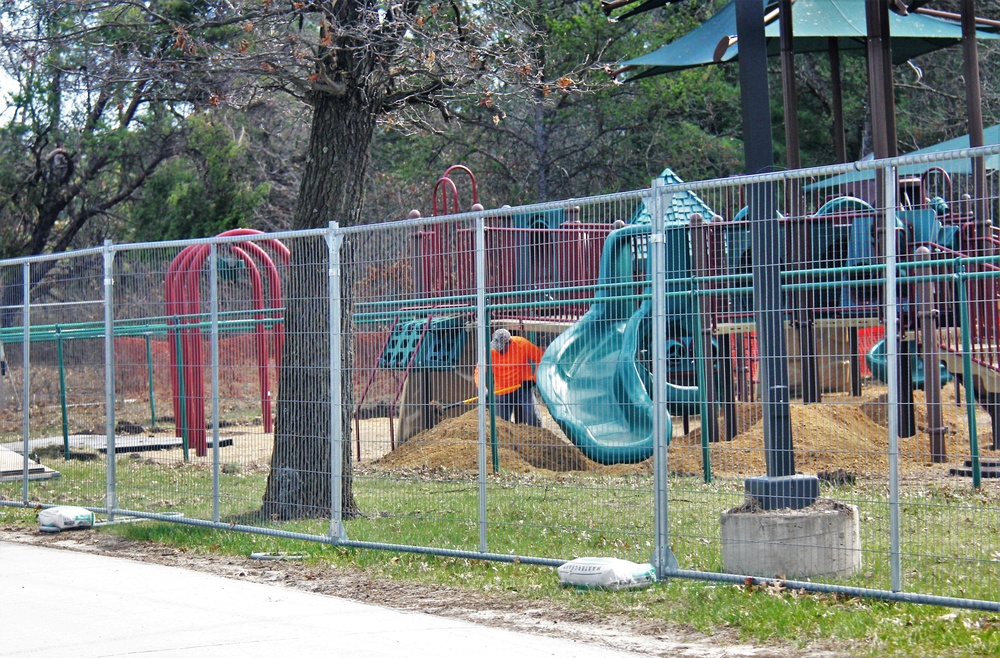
[453, 445]
[826, 437]
[842, 435]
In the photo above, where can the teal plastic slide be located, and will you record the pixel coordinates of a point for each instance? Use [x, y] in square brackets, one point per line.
[592, 377]
[604, 410]
[878, 364]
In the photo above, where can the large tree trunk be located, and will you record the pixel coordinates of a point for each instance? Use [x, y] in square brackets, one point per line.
[332, 190]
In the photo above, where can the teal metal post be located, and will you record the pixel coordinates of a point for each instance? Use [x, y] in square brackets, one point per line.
[970, 394]
[702, 346]
[149, 369]
[62, 392]
[180, 387]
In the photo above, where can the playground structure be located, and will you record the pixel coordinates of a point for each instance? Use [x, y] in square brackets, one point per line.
[582, 289]
[598, 330]
[178, 330]
[593, 314]
[187, 361]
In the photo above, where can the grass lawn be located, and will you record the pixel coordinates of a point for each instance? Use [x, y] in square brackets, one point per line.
[572, 515]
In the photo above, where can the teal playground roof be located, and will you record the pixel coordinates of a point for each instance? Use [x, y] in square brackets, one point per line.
[814, 23]
[682, 205]
[991, 136]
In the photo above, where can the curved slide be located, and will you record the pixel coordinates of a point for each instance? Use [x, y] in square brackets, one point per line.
[878, 364]
[590, 378]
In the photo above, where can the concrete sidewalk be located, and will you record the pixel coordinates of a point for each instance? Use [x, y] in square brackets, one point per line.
[64, 603]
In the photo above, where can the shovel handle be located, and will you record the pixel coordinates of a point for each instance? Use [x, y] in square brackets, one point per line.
[475, 398]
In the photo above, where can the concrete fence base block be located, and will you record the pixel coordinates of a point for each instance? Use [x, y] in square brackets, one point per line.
[823, 539]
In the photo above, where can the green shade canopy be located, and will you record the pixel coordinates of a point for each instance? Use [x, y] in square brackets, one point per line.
[814, 23]
[991, 136]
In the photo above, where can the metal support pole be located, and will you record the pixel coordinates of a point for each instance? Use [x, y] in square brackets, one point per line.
[928, 317]
[974, 113]
[213, 306]
[726, 396]
[491, 397]
[663, 559]
[907, 352]
[60, 358]
[26, 377]
[892, 396]
[981, 205]
[781, 487]
[967, 380]
[482, 341]
[766, 239]
[743, 385]
[883, 110]
[111, 494]
[179, 342]
[852, 334]
[837, 102]
[149, 370]
[704, 365]
[334, 242]
[799, 227]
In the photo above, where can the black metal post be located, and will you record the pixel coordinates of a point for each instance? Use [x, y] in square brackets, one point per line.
[927, 316]
[781, 487]
[883, 110]
[799, 258]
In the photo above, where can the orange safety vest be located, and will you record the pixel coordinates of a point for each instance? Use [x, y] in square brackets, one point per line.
[513, 367]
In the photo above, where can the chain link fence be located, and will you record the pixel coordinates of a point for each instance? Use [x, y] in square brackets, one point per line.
[674, 354]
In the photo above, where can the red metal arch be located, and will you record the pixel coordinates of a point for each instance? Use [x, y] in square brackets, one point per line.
[184, 304]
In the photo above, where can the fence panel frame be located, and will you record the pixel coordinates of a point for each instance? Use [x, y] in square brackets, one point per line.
[659, 196]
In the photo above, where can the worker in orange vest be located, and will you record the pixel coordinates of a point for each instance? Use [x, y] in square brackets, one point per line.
[514, 377]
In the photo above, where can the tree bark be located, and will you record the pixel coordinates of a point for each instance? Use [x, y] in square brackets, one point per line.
[298, 485]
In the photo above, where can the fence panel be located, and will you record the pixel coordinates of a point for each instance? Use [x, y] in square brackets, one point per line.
[572, 431]
[53, 377]
[867, 418]
[344, 385]
[948, 514]
[411, 294]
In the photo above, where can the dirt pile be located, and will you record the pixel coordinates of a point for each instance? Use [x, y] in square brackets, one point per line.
[453, 445]
[842, 434]
[953, 415]
[839, 434]
[826, 437]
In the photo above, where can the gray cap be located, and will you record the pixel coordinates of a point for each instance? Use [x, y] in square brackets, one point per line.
[501, 339]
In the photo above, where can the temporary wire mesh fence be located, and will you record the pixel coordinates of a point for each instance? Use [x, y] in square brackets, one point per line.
[345, 384]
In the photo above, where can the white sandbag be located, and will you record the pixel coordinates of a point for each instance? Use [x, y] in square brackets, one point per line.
[606, 573]
[64, 517]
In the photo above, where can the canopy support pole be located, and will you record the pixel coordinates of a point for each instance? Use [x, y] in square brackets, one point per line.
[781, 487]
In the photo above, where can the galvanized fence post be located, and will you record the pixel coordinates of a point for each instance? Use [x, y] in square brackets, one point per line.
[482, 340]
[334, 242]
[892, 374]
[26, 383]
[213, 285]
[663, 559]
[111, 492]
